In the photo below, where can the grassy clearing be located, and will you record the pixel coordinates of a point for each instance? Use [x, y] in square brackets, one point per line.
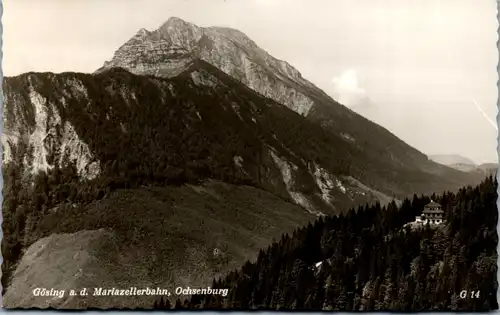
[152, 237]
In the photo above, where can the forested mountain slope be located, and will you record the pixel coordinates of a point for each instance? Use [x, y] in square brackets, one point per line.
[75, 138]
[147, 237]
[371, 260]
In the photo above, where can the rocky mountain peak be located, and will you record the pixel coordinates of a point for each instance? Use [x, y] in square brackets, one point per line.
[180, 33]
[176, 22]
[143, 32]
[176, 43]
[236, 36]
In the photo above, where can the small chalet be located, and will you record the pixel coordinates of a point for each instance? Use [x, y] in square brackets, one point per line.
[432, 214]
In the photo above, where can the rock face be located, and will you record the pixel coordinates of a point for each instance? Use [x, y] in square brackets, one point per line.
[35, 133]
[451, 159]
[167, 50]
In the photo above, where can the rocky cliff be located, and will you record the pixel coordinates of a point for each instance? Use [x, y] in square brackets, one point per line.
[167, 50]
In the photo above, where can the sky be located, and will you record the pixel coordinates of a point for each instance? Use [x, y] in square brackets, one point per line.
[423, 69]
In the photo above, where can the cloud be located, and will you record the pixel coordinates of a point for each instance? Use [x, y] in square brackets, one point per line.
[346, 89]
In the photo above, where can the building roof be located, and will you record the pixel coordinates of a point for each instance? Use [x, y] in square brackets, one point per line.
[432, 204]
[428, 211]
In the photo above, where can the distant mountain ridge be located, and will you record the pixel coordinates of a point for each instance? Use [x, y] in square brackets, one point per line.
[465, 164]
[449, 159]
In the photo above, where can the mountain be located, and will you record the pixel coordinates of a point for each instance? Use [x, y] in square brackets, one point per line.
[198, 125]
[170, 49]
[79, 150]
[490, 168]
[450, 159]
[177, 43]
[466, 165]
[172, 111]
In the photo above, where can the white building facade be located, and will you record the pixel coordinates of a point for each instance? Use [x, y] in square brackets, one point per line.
[433, 214]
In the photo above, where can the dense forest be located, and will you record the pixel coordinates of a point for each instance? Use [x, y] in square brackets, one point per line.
[373, 258]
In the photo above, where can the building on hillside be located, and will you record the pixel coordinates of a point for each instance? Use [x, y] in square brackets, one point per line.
[432, 214]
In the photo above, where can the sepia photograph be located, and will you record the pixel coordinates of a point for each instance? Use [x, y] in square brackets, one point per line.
[273, 155]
